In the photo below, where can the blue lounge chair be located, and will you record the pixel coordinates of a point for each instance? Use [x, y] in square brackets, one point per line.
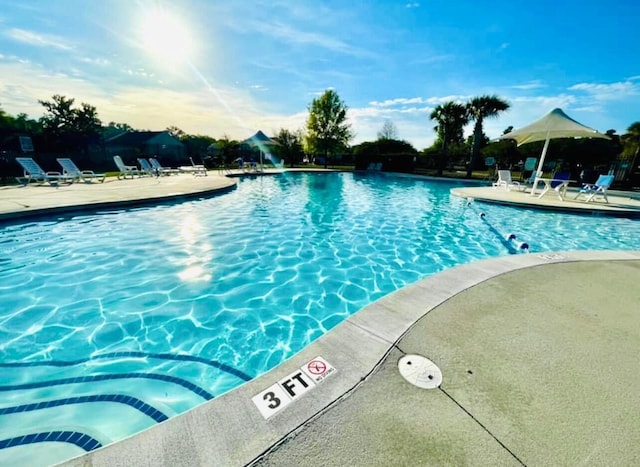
[599, 188]
[32, 172]
[70, 169]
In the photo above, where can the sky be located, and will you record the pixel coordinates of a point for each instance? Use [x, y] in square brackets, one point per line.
[231, 68]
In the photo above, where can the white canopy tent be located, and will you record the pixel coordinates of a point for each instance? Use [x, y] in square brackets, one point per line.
[262, 142]
[555, 124]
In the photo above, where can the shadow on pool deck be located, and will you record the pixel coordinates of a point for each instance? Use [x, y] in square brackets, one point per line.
[538, 354]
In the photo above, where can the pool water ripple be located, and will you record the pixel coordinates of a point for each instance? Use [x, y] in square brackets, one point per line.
[246, 279]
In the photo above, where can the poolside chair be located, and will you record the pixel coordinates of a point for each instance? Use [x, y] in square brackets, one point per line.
[599, 188]
[505, 181]
[558, 178]
[532, 178]
[32, 172]
[199, 170]
[125, 170]
[146, 168]
[160, 169]
[70, 169]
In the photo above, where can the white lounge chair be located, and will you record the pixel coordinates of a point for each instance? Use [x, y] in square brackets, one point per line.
[599, 188]
[70, 169]
[146, 168]
[199, 170]
[160, 169]
[32, 172]
[505, 181]
[125, 170]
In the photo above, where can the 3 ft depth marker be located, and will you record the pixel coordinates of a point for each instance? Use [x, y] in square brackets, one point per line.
[277, 396]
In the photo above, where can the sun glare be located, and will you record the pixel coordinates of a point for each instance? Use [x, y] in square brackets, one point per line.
[165, 36]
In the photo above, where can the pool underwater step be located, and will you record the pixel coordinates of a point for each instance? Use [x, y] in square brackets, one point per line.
[137, 404]
[133, 354]
[81, 440]
[92, 434]
[96, 378]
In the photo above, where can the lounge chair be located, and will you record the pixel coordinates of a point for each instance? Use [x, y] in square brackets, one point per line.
[125, 170]
[160, 169]
[146, 168]
[505, 181]
[599, 188]
[532, 178]
[198, 169]
[34, 173]
[70, 169]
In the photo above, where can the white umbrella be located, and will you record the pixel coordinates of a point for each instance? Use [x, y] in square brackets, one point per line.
[556, 124]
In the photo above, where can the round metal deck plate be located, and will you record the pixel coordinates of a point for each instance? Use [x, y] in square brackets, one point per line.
[420, 371]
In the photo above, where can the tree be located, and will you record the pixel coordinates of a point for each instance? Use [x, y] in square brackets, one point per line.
[393, 154]
[176, 132]
[198, 145]
[289, 146]
[114, 129]
[227, 148]
[631, 141]
[70, 127]
[451, 118]
[327, 125]
[480, 108]
[388, 131]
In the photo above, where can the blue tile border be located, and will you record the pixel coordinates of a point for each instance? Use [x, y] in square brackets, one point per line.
[81, 440]
[96, 378]
[137, 404]
[134, 354]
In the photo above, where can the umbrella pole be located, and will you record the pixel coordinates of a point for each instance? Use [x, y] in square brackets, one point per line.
[539, 170]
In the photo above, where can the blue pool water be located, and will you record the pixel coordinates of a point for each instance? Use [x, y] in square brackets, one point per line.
[111, 322]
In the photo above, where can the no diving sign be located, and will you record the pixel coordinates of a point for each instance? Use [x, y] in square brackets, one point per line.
[318, 369]
[279, 395]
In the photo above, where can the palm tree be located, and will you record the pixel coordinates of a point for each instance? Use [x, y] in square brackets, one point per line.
[632, 138]
[480, 108]
[451, 118]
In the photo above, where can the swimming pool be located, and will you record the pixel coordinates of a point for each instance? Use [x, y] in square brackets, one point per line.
[114, 321]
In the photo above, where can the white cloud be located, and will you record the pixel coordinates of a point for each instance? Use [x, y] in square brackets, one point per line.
[412, 5]
[38, 40]
[398, 101]
[444, 99]
[612, 91]
[535, 84]
[152, 106]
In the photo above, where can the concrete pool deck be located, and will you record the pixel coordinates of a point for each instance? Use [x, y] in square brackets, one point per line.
[33, 200]
[620, 203]
[538, 354]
